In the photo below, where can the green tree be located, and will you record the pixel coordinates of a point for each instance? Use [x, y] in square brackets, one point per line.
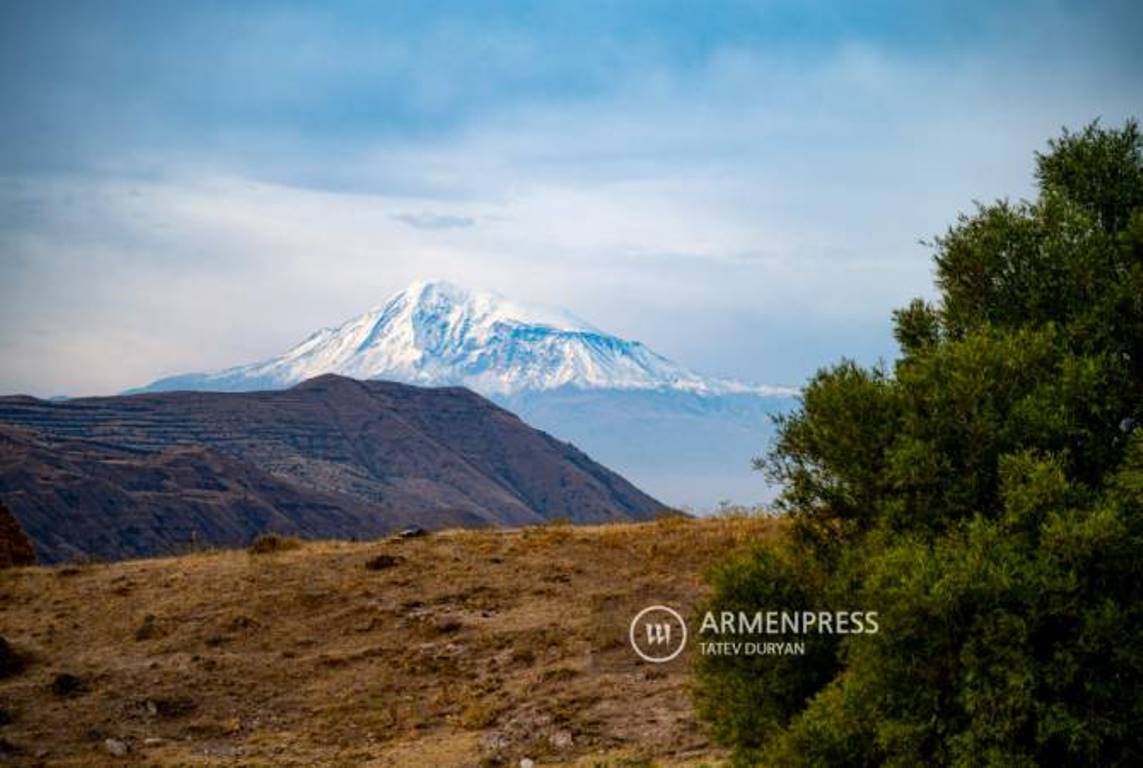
[985, 496]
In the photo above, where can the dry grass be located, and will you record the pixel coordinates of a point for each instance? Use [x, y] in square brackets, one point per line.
[463, 648]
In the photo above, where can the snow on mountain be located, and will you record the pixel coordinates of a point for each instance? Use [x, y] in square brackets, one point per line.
[436, 333]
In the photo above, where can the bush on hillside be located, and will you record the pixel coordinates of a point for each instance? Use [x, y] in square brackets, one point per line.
[268, 543]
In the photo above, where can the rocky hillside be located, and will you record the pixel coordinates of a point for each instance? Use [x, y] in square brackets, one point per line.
[330, 458]
[462, 648]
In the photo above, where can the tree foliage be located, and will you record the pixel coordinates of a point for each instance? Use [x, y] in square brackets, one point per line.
[985, 495]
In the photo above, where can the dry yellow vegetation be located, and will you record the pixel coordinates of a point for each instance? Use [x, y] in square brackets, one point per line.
[461, 648]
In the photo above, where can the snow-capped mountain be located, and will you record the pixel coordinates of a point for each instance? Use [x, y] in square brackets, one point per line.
[684, 438]
[436, 333]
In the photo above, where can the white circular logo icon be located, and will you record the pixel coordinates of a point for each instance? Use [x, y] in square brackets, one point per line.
[658, 634]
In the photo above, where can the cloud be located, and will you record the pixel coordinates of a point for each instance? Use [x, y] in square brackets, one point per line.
[742, 194]
[426, 220]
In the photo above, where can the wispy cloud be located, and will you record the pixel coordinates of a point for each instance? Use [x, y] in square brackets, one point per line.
[435, 220]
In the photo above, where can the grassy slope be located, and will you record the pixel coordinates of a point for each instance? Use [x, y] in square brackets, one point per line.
[477, 647]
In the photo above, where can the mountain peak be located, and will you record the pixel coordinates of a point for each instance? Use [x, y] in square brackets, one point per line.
[427, 292]
[437, 333]
[436, 298]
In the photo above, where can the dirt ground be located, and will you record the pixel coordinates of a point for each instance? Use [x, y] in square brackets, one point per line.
[462, 648]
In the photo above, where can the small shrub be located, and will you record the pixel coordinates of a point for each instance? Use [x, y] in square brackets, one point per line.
[383, 562]
[170, 707]
[67, 685]
[672, 520]
[555, 531]
[269, 543]
[479, 715]
[559, 675]
[447, 626]
[11, 661]
[728, 510]
[149, 629]
[525, 656]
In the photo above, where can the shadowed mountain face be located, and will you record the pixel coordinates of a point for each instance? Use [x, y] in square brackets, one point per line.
[332, 457]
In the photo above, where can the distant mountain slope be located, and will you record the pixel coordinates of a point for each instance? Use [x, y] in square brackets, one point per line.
[332, 457]
[687, 438]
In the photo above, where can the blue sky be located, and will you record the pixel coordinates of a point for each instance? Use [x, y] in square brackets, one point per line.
[742, 186]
